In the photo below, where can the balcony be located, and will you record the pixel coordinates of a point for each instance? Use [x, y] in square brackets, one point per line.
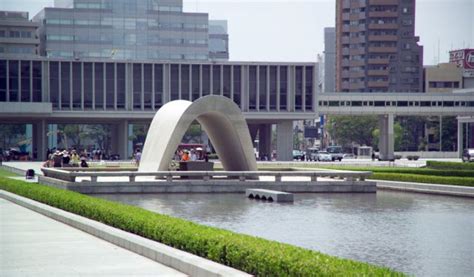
[382, 49]
[358, 85]
[356, 28]
[383, 26]
[383, 14]
[357, 63]
[345, 74]
[384, 2]
[383, 38]
[356, 16]
[379, 61]
[345, 63]
[357, 40]
[383, 72]
[356, 74]
[357, 51]
[378, 84]
[345, 40]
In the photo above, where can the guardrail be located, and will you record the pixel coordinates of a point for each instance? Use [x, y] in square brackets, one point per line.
[71, 174]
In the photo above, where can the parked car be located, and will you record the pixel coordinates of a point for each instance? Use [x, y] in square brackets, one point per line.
[336, 152]
[468, 155]
[324, 156]
[298, 155]
[312, 154]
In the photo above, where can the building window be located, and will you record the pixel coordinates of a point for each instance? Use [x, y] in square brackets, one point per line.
[283, 87]
[99, 85]
[196, 81]
[65, 89]
[174, 82]
[3, 80]
[237, 84]
[273, 88]
[227, 80]
[159, 85]
[262, 87]
[252, 87]
[25, 81]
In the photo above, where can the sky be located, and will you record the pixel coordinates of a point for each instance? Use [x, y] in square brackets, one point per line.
[293, 30]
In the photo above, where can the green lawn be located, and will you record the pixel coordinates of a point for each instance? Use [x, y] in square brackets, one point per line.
[5, 173]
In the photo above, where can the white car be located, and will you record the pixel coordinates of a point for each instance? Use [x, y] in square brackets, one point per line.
[324, 156]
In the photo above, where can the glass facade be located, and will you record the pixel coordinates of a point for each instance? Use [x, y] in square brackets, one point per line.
[87, 85]
[123, 29]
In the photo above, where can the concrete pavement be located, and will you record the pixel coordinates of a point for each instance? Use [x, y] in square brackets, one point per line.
[35, 245]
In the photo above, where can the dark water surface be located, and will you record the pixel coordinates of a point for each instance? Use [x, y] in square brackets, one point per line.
[423, 235]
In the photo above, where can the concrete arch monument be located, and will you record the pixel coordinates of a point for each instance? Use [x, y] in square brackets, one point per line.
[220, 118]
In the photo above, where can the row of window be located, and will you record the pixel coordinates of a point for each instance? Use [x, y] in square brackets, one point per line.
[118, 54]
[443, 84]
[126, 39]
[78, 85]
[128, 23]
[397, 103]
[153, 5]
[16, 34]
[20, 81]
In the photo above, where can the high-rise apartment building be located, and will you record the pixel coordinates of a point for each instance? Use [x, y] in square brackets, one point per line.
[329, 59]
[123, 29]
[376, 46]
[17, 34]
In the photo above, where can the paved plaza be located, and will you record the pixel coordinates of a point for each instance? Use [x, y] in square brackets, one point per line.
[35, 245]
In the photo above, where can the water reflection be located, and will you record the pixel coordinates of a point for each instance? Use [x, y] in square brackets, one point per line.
[419, 234]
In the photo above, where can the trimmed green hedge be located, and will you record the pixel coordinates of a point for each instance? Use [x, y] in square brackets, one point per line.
[444, 180]
[250, 254]
[407, 170]
[450, 165]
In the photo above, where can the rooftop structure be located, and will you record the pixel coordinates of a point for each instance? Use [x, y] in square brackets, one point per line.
[17, 34]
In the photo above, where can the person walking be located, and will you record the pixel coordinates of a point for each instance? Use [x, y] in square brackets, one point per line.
[138, 156]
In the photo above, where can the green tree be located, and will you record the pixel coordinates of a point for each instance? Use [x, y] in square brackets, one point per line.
[413, 132]
[449, 133]
[397, 132]
[100, 134]
[74, 132]
[10, 134]
[346, 130]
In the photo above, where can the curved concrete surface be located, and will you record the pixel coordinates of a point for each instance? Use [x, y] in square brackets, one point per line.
[220, 118]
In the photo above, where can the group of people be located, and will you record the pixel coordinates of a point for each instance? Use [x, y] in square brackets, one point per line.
[66, 158]
[185, 155]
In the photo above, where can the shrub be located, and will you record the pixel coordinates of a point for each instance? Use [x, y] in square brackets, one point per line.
[251, 254]
[406, 170]
[417, 178]
[450, 165]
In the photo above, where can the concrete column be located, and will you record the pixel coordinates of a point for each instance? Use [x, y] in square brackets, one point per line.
[120, 139]
[253, 131]
[440, 133]
[265, 140]
[386, 141]
[40, 139]
[460, 142]
[285, 140]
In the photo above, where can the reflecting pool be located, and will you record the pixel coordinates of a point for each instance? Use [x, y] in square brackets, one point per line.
[424, 235]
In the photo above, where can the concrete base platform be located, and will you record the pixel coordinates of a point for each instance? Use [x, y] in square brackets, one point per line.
[212, 186]
[270, 195]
